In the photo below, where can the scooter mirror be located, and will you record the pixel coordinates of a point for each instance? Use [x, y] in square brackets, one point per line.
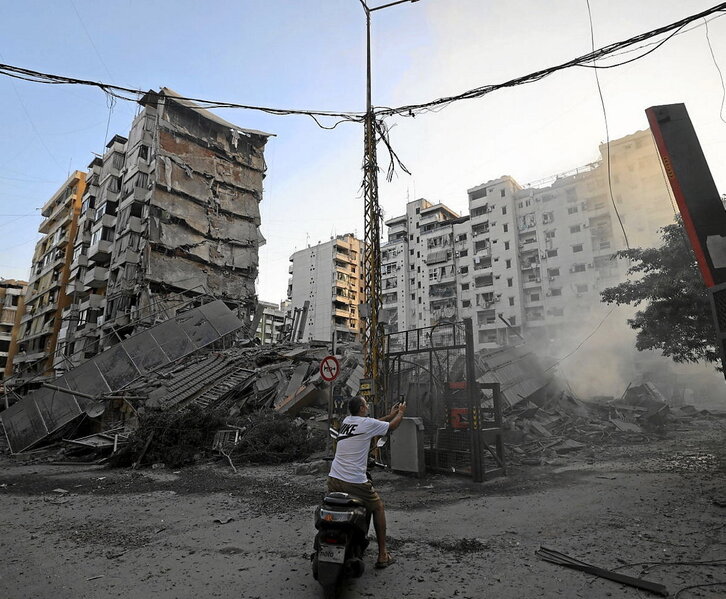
[381, 442]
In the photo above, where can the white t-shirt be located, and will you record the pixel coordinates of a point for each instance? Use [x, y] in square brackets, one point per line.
[354, 442]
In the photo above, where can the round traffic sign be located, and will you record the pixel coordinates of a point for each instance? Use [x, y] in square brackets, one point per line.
[329, 368]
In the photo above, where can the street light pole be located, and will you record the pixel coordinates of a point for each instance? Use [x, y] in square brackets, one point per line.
[373, 343]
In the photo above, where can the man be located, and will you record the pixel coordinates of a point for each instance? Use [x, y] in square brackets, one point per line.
[348, 473]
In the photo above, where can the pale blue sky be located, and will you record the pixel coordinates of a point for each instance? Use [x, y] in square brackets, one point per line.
[310, 54]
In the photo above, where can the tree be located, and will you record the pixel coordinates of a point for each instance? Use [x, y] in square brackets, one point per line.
[677, 318]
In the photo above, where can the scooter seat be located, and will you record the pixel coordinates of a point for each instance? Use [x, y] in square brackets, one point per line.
[343, 499]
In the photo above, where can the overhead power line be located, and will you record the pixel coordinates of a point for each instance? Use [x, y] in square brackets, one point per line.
[586, 60]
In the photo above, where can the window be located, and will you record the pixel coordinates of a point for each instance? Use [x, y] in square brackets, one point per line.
[581, 288]
[464, 270]
[411, 252]
[575, 229]
[572, 210]
[552, 253]
[504, 210]
[553, 272]
[548, 217]
[418, 210]
[463, 253]
[141, 179]
[466, 303]
[117, 160]
[557, 311]
[510, 282]
[550, 234]
[464, 286]
[577, 248]
[503, 193]
[506, 245]
[144, 152]
[508, 263]
[511, 301]
[114, 184]
[505, 228]
[419, 300]
[555, 291]
[578, 268]
[604, 245]
[534, 297]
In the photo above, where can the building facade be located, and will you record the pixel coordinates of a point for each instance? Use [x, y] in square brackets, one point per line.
[272, 320]
[526, 262]
[171, 214]
[12, 309]
[330, 277]
[46, 297]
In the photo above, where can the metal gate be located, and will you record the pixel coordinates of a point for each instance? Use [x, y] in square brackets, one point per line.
[433, 369]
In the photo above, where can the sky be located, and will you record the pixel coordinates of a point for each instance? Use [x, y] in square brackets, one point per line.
[310, 54]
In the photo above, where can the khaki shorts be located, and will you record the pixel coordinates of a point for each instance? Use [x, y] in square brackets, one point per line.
[363, 491]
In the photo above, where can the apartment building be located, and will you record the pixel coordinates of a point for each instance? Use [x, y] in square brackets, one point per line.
[271, 321]
[171, 214]
[526, 262]
[46, 296]
[12, 309]
[330, 277]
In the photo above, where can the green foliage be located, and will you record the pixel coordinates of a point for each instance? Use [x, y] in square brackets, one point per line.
[677, 318]
[272, 438]
[180, 438]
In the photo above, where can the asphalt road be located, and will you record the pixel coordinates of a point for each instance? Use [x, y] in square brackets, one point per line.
[89, 532]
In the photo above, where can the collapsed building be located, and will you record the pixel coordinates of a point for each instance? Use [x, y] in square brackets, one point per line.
[169, 213]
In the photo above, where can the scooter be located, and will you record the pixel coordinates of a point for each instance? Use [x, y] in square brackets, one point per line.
[342, 522]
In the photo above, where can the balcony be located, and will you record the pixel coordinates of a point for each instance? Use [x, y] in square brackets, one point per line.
[100, 251]
[74, 286]
[92, 302]
[134, 225]
[96, 277]
[80, 260]
[128, 257]
[346, 257]
[107, 220]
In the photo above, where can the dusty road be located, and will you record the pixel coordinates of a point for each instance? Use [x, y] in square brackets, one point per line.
[117, 533]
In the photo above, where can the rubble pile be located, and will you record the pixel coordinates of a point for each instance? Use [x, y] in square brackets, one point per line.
[537, 430]
[180, 438]
[256, 392]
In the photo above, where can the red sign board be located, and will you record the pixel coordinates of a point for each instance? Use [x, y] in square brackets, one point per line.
[329, 368]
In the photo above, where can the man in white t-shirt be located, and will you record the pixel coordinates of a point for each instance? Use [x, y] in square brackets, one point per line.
[348, 473]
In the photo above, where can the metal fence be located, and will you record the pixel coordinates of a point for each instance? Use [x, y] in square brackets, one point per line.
[433, 369]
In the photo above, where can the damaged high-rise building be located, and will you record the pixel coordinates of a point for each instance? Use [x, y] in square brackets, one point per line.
[170, 213]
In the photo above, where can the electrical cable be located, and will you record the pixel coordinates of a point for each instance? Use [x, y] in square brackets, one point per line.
[720, 74]
[562, 359]
[123, 92]
[698, 586]
[607, 129]
[413, 110]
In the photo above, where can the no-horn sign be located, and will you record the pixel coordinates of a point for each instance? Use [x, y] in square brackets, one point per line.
[329, 368]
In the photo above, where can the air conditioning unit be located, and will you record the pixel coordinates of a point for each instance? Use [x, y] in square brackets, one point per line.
[548, 292]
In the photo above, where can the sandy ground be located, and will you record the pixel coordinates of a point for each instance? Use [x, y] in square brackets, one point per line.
[92, 532]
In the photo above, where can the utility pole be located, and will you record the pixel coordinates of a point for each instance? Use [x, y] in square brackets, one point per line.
[373, 346]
